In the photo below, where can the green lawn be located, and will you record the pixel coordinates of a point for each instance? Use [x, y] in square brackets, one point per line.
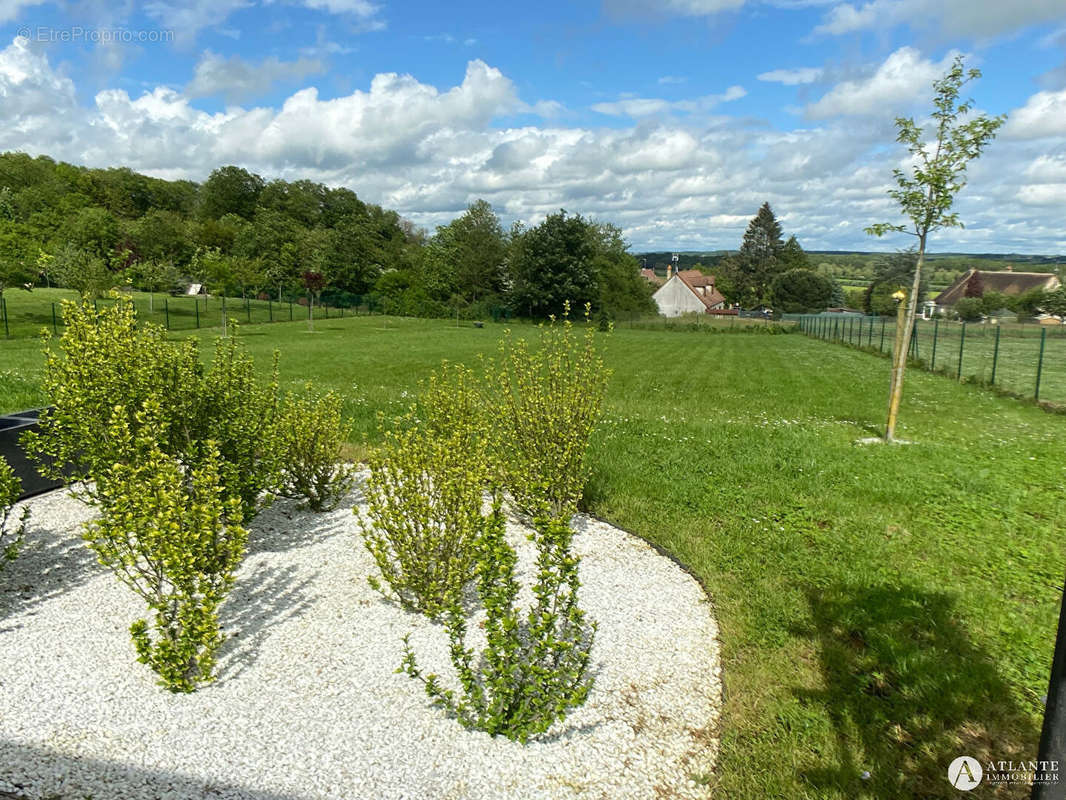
[883, 609]
[29, 312]
[943, 347]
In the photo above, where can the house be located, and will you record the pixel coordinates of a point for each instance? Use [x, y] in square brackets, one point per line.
[650, 276]
[975, 282]
[689, 291]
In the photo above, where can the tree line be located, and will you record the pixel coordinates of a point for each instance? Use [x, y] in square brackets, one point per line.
[239, 234]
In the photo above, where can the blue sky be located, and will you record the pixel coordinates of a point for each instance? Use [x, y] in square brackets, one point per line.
[673, 119]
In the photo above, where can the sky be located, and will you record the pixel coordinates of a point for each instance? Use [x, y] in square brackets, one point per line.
[673, 119]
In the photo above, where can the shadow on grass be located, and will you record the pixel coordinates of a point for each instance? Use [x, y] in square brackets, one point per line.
[57, 775]
[907, 692]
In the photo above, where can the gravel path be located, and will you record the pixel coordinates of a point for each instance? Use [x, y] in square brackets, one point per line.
[307, 704]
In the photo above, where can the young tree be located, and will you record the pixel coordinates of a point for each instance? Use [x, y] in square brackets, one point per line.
[313, 282]
[926, 195]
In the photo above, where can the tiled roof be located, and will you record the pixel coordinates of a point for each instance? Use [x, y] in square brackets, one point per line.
[1005, 281]
[712, 297]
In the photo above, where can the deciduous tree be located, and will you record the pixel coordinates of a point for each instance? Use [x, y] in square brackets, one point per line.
[927, 192]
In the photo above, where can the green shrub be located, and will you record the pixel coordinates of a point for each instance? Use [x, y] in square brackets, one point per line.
[531, 671]
[11, 530]
[969, 309]
[310, 435]
[548, 401]
[169, 534]
[424, 494]
[106, 361]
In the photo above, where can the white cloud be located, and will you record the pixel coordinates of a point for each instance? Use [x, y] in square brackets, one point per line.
[189, 18]
[671, 79]
[236, 79]
[952, 17]
[428, 152]
[648, 106]
[1043, 116]
[10, 10]
[903, 77]
[688, 8]
[792, 77]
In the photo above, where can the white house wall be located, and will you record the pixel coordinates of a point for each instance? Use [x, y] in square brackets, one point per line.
[674, 298]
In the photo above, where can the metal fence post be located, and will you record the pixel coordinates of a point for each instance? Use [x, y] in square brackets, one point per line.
[962, 345]
[290, 311]
[55, 328]
[166, 312]
[270, 309]
[3, 307]
[995, 356]
[248, 309]
[914, 341]
[936, 335]
[882, 348]
[196, 305]
[1040, 362]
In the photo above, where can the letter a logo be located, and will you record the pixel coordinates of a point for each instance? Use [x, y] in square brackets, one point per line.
[965, 773]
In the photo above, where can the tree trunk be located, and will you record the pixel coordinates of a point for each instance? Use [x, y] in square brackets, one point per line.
[900, 364]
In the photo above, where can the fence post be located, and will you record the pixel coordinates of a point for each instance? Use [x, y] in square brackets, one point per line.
[196, 305]
[914, 341]
[962, 345]
[270, 309]
[248, 309]
[995, 356]
[1040, 362]
[936, 335]
[882, 347]
[166, 312]
[3, 307]
[290, 311]
[55, 328]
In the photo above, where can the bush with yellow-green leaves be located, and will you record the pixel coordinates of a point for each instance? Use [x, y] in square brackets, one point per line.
[171, 535]
[540, 406]
[424, 494]
[548, 400]
[12, 529]
[533, 667]
[105, 360]
[310, 436]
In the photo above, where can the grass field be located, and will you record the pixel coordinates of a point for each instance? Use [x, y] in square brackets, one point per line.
[974, 356]
[883, 609]
[28, 312]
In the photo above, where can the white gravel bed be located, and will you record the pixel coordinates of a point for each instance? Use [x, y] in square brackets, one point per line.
[308, 705]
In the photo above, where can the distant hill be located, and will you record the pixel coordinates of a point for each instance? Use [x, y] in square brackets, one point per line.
[856, 267]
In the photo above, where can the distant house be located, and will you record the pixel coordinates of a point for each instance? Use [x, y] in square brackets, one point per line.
[689, 291]
[978, 282]
[650, 276]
